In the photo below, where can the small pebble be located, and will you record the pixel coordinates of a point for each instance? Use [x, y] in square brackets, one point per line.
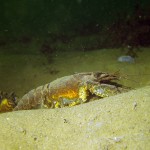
[126, 59]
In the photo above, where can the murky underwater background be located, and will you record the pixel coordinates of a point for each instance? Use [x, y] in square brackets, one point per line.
[23, 72]
[41, 41]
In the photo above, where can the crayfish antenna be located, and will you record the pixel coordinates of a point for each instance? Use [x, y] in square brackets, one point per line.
[123, 76]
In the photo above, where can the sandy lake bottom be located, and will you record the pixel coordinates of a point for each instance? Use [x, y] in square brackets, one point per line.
[117, 122]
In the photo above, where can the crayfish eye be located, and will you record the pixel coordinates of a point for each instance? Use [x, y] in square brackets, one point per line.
[99, 75]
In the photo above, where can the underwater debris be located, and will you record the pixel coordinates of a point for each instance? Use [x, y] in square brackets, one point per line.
[51, 71]
[47, 50]
[131, 52]
[117, 139]
[128, 59]
[7, 101]
[134, 105]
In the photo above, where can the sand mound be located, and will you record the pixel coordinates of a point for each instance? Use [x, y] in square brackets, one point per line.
[117, 122]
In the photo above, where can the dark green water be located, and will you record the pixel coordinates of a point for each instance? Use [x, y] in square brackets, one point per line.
[21, 73]
[43, 40]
